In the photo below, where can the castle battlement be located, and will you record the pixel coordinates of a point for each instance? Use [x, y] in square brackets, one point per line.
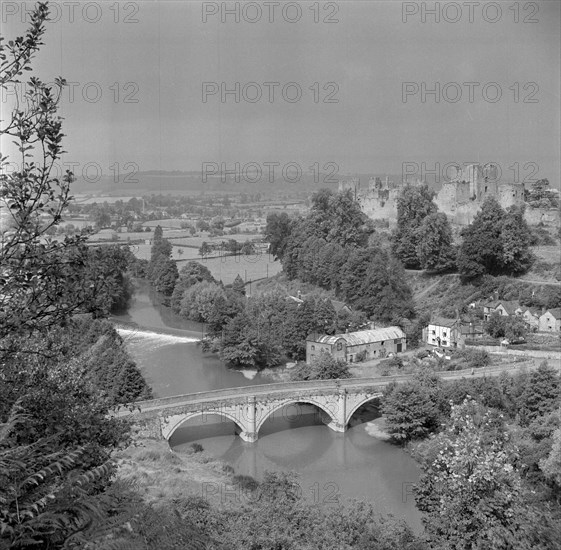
[460, 198]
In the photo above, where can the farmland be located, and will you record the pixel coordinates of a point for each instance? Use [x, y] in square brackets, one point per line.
[250, 268]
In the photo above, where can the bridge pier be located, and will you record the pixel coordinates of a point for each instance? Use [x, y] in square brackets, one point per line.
[249, 437]
[250, 432]
[339, 422]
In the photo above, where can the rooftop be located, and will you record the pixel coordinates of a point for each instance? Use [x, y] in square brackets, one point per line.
[556, 312]
[443, 322]
[360, 337]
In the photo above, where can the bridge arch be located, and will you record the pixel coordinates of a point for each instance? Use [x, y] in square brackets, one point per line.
[363, 402]
[189, 416]
[304, 401]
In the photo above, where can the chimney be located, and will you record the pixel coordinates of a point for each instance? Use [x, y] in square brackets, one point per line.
[496, 295]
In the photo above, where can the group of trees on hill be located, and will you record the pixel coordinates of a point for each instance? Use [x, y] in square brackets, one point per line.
[495, 243]
[489, 451]
[256, 331]
[330, 248]
[423, 236]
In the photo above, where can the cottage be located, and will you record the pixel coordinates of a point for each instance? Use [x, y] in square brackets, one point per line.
[531, 316]
[471, 332]
[369, 343]
[442, 332]
[550, 321]
[502, 307]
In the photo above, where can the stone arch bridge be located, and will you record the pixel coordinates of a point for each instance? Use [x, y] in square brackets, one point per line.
[250, 406]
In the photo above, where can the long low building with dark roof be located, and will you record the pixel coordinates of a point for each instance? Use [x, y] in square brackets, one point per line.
[369, 344]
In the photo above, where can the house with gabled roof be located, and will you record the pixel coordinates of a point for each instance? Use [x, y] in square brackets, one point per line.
[531, 316]
[505, 308]
[370, 343]
[550, 320]
[442, 332]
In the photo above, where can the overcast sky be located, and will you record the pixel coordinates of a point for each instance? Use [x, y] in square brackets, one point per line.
[169, 52]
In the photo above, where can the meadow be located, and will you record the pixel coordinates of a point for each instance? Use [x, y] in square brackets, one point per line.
[249, 268]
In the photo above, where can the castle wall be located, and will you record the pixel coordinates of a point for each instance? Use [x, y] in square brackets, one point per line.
[379, 208]
[485, 189]
[455, 198]
[548, 216]
[510, 194]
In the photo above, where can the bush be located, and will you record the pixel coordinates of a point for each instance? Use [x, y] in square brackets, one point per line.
[197, 448]
[360, 356]
[472, 358]
[394, 362]
[322, 367]
[246, 482]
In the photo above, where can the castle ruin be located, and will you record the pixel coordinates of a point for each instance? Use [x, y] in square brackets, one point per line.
[460, 198]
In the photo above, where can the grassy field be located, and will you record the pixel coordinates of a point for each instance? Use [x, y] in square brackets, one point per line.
[249, 268]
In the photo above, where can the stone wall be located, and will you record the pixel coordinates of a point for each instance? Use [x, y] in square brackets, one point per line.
[547, 216]
[460, 200]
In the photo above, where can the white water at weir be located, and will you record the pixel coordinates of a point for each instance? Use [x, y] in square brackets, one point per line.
[155, 339]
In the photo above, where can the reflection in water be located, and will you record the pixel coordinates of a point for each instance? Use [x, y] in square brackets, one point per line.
[354, 464]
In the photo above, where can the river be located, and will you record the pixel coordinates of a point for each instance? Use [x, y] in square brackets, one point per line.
[331, 466]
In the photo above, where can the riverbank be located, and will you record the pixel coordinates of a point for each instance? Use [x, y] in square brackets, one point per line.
[162, 475]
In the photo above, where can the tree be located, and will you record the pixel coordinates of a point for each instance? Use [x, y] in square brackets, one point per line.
[164, 276]
[277, 231]
[482, 248]
[190, 273]
[435, 245]
[102, 218]
[248, 248]
[204, 249]
[541, 393]
[414, 204]
[496, 242]
[198, 300]
[58, 430]
[515, 235]
[471, 494]
[338, 218]
[158, 233]
[411, 409]
[510, 327]
[551, 465]
[40, 281]
[322, 367]
[238, 285]
[246, 345]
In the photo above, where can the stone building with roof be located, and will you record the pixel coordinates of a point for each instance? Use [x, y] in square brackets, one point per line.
[373, 342]
[550, 321]
[505, 308]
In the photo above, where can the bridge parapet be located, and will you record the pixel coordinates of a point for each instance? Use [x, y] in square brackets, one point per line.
[249, 412]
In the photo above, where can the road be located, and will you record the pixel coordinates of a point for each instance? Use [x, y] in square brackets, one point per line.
[308, 386]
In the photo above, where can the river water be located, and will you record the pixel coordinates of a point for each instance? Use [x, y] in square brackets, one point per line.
[331, 466]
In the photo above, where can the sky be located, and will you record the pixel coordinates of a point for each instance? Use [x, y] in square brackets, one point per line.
[138, 71]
